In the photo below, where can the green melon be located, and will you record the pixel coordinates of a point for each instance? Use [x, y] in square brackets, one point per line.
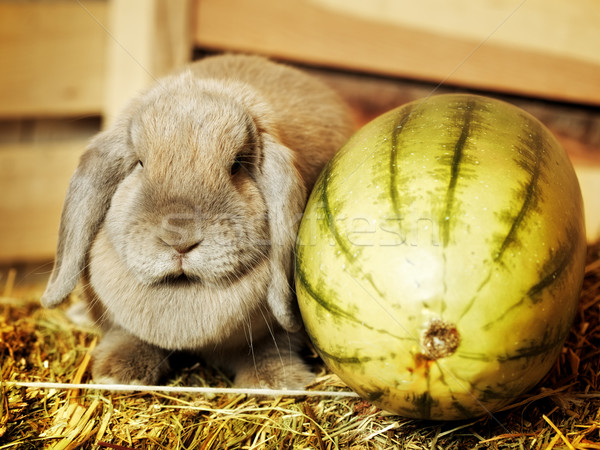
[441, 255]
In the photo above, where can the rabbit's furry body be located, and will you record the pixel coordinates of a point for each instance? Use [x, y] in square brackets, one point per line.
[182, 216]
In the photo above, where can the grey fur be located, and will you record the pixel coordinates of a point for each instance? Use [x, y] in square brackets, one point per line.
[185, 250]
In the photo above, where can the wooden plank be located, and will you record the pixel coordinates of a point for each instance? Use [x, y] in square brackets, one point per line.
[589, 180]
[548, 26]
[314, 33]
[149, 38]
[33, 182]
[52, 58]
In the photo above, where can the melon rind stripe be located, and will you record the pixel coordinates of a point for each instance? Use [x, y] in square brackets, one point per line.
[457, 158]
[330, 219]
[399, 127]
[344, 247]
[423, 404]
[334, 310]
[319, 299]
[541, 349]
[555, 266]
[341, 359]
[354, 271]
[531, 162]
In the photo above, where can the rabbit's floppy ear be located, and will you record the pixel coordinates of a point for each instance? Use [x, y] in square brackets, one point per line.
[101, 168]
[284, 192]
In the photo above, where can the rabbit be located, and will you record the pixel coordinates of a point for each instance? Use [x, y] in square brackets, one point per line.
[180, 221]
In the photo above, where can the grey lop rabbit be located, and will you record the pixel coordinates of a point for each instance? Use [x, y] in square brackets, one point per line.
[180, 220]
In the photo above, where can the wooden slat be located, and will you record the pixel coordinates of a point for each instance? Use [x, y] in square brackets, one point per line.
[589, 180]
[33, 182]
[149, 38]
[312, 32]
[52, 56]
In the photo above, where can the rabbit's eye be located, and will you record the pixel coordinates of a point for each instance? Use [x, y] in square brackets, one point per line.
[241, 161]
[140, 163]
[236, 166]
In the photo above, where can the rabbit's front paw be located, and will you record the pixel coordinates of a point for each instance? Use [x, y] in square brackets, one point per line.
[121, 358]
[275, 374]
[272, 364]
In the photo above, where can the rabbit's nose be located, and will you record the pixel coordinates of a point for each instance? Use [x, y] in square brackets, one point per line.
[181, 246]
[184, 248]
[180, 232]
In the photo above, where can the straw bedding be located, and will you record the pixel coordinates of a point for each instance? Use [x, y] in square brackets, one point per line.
[38, 345]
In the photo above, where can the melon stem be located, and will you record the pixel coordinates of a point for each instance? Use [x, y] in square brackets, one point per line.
[440, 339]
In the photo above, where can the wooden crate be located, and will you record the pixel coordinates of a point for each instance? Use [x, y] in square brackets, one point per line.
[33, 182]
[53, 58]
[542, 48]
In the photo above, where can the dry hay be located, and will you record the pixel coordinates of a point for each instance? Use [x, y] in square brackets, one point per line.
[42, 345]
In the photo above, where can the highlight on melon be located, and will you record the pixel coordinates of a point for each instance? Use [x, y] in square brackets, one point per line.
[441, 255]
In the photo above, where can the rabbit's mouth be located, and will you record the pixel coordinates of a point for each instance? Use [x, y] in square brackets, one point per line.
[180, 279]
